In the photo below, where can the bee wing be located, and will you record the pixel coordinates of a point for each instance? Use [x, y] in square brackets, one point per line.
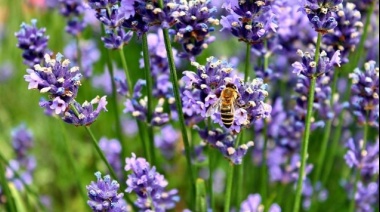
[213, 108]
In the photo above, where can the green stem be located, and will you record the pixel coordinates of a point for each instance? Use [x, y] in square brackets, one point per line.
[142, 138]
[240, 173]
[230, 176]
[149, 88]
[79, 54]
[264, 172]
[334, 146]
[26, 186]
[130, 92]
[127, 75]
[10, 203]
[325, 140]
[174, 80]
[247, 62]
[73, 164]
[211, 177]
[305, 143]
[264, 178]
[200, 201]
[119, 132]
[100, 152]
[357, 175]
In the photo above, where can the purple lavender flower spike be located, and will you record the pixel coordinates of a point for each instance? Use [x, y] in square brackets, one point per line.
[100, 4]
[282, 171]
[86, 112]
[167, 141]
[22, 140]
[321, 14]
[367, 161]
[363, 5]
[346, 35]
[141, 15]
[225, 143]
[308, 68]
[365, 94]
[137, 106]
[116, 39]
[250, 21]
[33, 42]
[73, 10]
[201, 90]
[103, 81]
[56, 78]
[253, 204]
[149, 186]
[103, 195]
[24, 164]
[89, 52]
[367, 196]
[309, 191]
[162, 87]
[112, 16]
[112, 151]
[194, 24]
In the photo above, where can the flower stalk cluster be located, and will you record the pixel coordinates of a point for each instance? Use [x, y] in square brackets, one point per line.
[33, 42]
[149, 186]
[202, 93]
[62, 83]
[103, 195]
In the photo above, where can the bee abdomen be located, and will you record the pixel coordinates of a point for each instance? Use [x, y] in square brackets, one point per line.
[227, 119]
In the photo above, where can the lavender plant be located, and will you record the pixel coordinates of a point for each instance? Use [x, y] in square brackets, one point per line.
[263, 126]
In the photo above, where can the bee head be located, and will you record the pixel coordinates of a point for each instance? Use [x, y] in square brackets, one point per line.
[230, 85]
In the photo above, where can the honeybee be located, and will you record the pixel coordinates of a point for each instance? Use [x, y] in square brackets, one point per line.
[225, 105]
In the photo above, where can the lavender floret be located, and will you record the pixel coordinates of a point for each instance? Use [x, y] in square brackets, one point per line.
[149, 186]
[103, 195]
[33, 42]
[56, 78]
[321, 14]
[365, 94]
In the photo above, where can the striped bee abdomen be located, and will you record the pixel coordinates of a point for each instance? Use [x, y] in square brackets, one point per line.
[227, 116]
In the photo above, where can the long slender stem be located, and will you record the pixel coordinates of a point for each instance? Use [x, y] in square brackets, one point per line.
[230, 176]
[149, 88]
[174, 79]
[26, 185]
[100, 152]
[10, 203]
[325, 140]
[142, 138]
[334, 146]
[130, 91]
[358, 170]
[306, 137]
[240, 172]
[211, 177]
[126, 71]
[264, 183]
[247, 62]
[79, 53]
[74, 166]
[116, 109]
[264, 171]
